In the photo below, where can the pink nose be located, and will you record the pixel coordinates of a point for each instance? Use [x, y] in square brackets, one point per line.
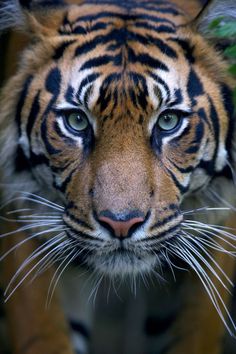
[121, 228]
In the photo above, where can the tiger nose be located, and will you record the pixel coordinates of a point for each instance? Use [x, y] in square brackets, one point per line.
[121, 226]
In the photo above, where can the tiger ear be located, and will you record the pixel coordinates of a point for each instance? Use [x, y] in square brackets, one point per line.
[34, 17]
[213, 10]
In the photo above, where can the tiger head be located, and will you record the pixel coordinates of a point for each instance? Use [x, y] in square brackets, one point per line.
[119, 111]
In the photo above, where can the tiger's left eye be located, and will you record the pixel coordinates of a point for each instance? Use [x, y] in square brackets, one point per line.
[168, 121]
[77, 121]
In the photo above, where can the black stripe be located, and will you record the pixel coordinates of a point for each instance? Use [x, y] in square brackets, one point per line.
[178, 98]
[194, 86]
[187, 48]
[60, 50]
[215, 120]
[53, 82]
[227, 100]
[80, 328]
[83, 30]
[35, 108]
[158, 29]
[174, 229]
[165, 220]
[97, 61]
[188, 169]
[181, 188]
[52, 85]
[146, 60]
[78, 221]
[124, 17]
[21, 101]
[162, 83]
[69, 95]
[87, 80]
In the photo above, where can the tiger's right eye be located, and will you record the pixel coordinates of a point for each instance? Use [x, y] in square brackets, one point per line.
[76, 121]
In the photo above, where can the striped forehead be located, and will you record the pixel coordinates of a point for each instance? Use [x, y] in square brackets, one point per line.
[123, 55]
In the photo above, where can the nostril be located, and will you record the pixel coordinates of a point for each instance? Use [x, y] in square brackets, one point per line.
[121, 225]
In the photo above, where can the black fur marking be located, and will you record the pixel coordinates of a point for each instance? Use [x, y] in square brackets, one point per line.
[146, 60]
[62, 187]
[162, 83]
[78, 221]
[181, 188]
[208, 167]
[104, 96]
[53, 82]
[192, 149]
[80, 328]
[229, 107]
[98, 61]
[215, 120]
[158, 29]
[87, 80]
[60, 50]
[21, 162]
[170, 231]
[194, 87]
[124, 17]
[36, 160]
[140, 83]
[35, 108]
[199, 133]
[21, 101]
[178, 98]
[188, 48]
[69, 95]
[166, 220]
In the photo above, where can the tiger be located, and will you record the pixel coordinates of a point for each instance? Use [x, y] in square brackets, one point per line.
[117, 133]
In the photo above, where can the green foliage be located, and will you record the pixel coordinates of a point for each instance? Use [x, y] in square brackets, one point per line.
[226, 30]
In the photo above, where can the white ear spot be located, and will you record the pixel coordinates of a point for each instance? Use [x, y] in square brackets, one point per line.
[221, 159]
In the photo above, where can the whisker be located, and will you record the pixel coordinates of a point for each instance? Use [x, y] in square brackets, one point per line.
[208, 265]
[62, 245]
[57, 275]
[186, 255]
[28, 239]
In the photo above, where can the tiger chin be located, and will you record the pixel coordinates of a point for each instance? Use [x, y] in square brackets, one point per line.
[118, 129]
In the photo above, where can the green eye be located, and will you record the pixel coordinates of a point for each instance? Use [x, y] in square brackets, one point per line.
[77, 121]
[168, 121]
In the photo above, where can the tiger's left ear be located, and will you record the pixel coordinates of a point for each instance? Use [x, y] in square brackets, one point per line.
[35, 18]
[42, 18]
[225, 9]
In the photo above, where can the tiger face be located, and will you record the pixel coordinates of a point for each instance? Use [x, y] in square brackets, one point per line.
[122, 110]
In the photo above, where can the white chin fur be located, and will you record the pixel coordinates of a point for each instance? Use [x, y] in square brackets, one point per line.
[123, 264]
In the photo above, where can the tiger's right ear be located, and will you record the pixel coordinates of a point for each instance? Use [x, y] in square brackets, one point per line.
[34, 17]
[225, 9]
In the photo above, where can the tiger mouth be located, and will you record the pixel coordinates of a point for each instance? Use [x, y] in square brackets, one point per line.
[120, 257]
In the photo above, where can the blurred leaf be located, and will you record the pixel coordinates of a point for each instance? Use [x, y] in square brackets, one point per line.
[231, 51]
[225, 29]
[232, 69]
[215, 23]
[234, 99]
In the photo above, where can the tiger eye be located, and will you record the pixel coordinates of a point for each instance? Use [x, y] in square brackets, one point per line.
[168, 121]
[77, 121]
